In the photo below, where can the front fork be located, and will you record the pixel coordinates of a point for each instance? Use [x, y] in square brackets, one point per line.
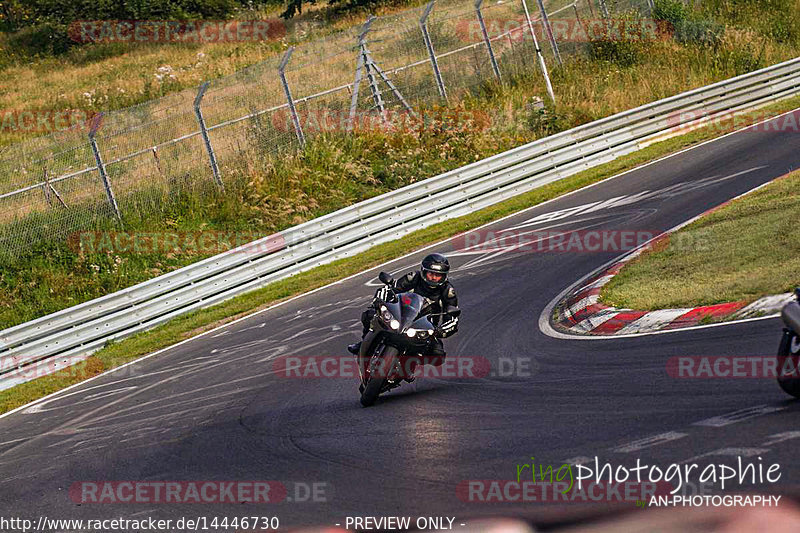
[365, 353]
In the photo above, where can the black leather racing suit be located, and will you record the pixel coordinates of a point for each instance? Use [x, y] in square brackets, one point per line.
[443, 296]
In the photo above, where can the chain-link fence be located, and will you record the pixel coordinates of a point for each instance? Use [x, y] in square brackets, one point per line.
[129, 161]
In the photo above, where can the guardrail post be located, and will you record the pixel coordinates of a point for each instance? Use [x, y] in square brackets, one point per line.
[486, 38]
[101, 167]
[542, 64]
[282, 71]
[204, 132]
[423, 24]
[549, 31]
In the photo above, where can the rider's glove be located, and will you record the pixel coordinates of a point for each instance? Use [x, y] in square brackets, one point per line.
[447, 328]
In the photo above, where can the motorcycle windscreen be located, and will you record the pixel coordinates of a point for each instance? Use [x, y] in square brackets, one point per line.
[410, 306]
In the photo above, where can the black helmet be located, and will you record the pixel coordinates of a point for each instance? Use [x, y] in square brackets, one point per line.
[434, 270]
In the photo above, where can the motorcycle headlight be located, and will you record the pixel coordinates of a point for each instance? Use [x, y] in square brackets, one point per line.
[394, 324]
[386, 315]
[411, 332]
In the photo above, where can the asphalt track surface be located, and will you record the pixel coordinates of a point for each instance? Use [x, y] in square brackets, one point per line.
[215, 408]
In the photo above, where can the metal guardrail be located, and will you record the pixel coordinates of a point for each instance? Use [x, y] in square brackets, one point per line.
[65, 337]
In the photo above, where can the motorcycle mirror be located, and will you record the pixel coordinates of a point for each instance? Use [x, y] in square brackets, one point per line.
[385, 278]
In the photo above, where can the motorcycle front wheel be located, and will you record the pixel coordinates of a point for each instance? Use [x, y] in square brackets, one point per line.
[380, 366]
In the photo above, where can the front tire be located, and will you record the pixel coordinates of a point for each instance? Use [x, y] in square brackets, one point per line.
[788, 360]
[383, 364]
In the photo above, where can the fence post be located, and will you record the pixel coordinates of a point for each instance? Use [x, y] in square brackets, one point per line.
[539, 55]
[360, 64]
[101, 167]
[604, 9]
[423, 23]
[46, 188]
[542, 64]
[282, 71]
[486, 38]
[204, 132]
[549, 31]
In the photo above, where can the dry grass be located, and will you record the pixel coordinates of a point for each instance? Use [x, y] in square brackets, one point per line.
[743, 251]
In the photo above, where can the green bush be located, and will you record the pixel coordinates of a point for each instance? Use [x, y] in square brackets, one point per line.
[621, 53]
[687, 26]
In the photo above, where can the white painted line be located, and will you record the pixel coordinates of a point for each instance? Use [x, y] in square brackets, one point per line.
[600, 282]
[739, 416]
[584, 303]
[580, 460]
[649, 442]
[731, 452]
[781, 437]
[767, 304]
[439, 243]
[653, 320]
[594, 321]
[547, 312]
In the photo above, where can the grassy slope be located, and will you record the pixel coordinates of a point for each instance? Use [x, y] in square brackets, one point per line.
[743, 251]
[184, 327]
[265, 195]
[109, 76]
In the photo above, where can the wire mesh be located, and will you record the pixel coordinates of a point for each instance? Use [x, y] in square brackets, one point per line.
[51, 187]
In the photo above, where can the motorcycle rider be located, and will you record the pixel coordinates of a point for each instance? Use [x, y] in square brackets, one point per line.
[431, 282]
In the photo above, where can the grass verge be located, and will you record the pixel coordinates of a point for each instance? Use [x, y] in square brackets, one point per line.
[742, 251]
[185, 327]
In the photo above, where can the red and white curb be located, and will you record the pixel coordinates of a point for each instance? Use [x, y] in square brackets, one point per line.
[581, 313]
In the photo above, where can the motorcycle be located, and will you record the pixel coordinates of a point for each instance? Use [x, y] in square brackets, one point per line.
[789, 349]
[400, 332]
